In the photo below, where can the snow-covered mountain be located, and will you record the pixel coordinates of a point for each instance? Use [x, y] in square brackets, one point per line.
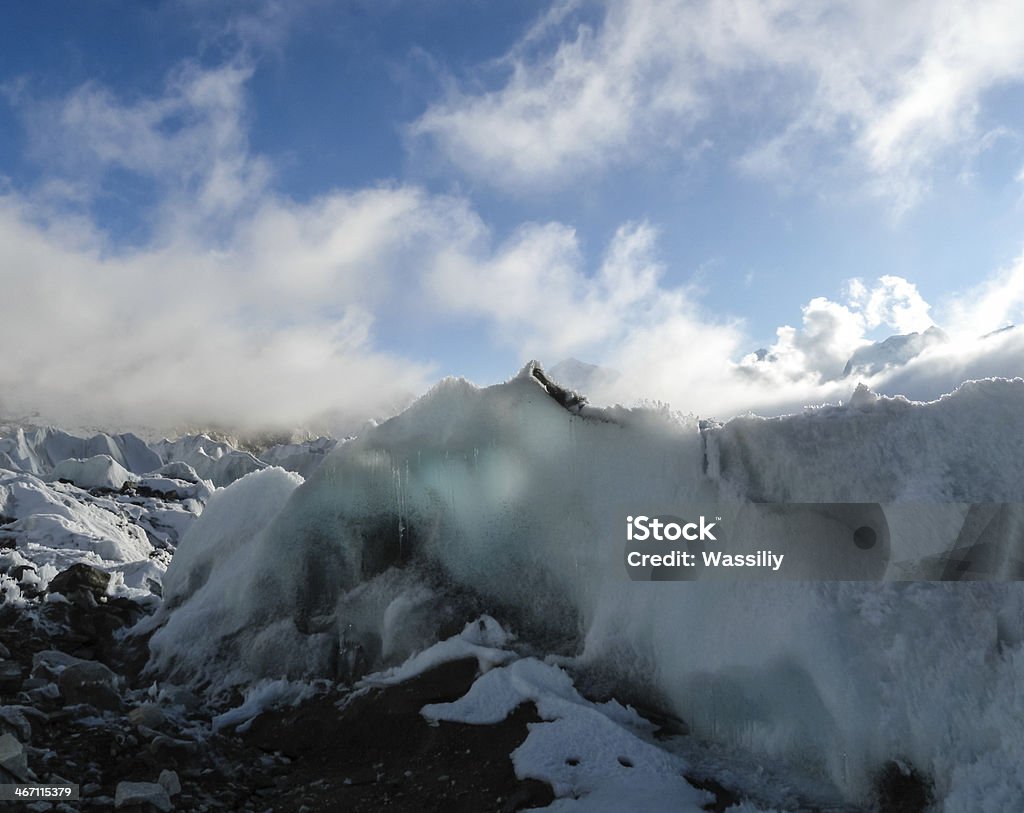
[893, 351]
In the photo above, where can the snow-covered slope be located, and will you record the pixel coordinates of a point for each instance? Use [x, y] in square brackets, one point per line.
[506, 494]
[302, 458]
[37, 451]
[216, 461]
[51, 525]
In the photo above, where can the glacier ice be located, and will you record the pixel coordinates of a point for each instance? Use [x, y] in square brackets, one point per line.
[504, 495]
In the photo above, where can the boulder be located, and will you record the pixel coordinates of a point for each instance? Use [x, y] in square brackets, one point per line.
[170, 782]
[141, 794]
[80, 577]
[13, 721]
[90, 683]
[13, 758]
[147, 715]
[10, 676]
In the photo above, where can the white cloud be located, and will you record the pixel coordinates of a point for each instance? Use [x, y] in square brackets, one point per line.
[190, 144]
[894, 302]
[832, 331]
[884, 87]
[536, 291]
[239, 306]
[995, 303]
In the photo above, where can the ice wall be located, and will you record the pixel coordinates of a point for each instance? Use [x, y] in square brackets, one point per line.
[517, 495]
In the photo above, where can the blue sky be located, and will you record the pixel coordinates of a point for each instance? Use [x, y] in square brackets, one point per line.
[269, 210]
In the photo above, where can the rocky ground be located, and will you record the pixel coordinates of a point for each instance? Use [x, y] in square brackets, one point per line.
[75, 707]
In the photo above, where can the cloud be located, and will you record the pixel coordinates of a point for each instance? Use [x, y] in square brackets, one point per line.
[883, 88]
[893, 301]
[832, 332]
[186, 332]
[995, 303]
[535, 290]
[189, 145]
[240, 305]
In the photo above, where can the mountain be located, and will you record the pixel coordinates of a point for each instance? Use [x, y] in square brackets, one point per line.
[894, 351]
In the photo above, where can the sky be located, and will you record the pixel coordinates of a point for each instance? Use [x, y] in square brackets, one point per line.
[269, 212]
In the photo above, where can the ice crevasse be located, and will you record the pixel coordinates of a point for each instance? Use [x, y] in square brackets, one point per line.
[512, 499]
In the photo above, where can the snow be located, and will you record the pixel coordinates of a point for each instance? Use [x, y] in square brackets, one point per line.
[216, 461]
[260, 697]
[302, 458]
[54, 525]
[892, 352]
[37, 451]
[99, 471]
[593, 755]
[110, 500]
[482, 639]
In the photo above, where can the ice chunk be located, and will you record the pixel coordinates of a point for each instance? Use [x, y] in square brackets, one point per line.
[100, 471]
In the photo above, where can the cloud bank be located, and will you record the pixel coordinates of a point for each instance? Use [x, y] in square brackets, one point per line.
[882, 90]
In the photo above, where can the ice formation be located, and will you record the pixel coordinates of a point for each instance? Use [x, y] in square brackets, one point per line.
[114, 501]
[507, 495]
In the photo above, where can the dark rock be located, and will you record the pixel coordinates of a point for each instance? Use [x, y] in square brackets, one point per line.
[80, 577]
[140, 795]
[530, 794]
[902, 788]
[90, 683]
[170, 782]
[566, 398]
[148, 715]
[10, 677]
[13, 721]
[13, 758]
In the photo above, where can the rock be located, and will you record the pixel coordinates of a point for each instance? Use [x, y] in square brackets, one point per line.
[148, 715]
[80, 577]
[139, 794]
[902, 788]
[163, 743]
[10, 676]
[90, 683]
[12, 719]
[13, 758]
[170, 782]
[48, 663]
[4, 652]
[44, 694]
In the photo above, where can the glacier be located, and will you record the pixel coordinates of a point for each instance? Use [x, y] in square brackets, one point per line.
[114, 501]
[511, 499]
